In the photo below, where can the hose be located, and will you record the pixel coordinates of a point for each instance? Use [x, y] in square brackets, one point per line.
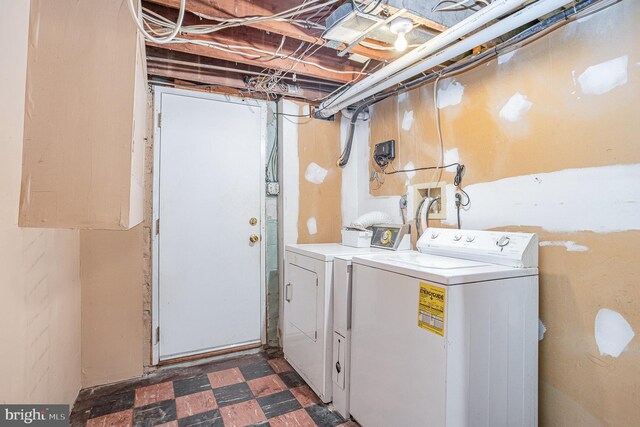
[417, 217]
[346, 153]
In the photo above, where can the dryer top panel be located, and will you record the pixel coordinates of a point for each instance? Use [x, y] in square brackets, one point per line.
[328, 251]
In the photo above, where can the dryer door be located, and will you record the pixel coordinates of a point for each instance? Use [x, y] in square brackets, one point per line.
[301, 295]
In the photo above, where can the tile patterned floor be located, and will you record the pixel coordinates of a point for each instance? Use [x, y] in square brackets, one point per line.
[254, 390]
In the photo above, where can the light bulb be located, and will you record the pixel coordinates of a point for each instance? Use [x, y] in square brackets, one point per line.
[401, 42]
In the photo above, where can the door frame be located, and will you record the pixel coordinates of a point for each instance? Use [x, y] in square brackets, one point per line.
[158, 91]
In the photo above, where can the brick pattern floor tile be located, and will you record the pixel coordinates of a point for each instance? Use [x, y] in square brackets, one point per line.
[256, 390]
[242, 414]
[305, 396]
[266, 385]
[154, 393]
[195, 403]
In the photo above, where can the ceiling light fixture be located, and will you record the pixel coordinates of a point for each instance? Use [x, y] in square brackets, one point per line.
[401, 26]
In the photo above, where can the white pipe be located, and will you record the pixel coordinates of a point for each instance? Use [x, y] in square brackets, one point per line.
[464, 27]
[518, 19]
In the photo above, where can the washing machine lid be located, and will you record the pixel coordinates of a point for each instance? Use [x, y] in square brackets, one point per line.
[441, 269]
[328, 251]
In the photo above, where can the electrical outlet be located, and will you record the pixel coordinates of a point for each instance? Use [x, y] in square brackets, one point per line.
[273, 188]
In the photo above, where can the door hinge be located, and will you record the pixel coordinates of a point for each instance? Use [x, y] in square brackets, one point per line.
[159, 120]
[157, 226]
[316, 335]
[316, 282]
[157, 334]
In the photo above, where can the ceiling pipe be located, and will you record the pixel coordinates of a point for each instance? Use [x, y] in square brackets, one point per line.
[482, 17]
[516, 20]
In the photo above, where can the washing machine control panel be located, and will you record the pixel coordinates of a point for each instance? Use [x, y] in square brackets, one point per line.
[505, 248]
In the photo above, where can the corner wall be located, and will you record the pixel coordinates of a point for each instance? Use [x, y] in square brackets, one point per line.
[549, 135]
[39, 268]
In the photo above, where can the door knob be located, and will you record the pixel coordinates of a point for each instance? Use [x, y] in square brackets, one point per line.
[253, 221]
[254, 238]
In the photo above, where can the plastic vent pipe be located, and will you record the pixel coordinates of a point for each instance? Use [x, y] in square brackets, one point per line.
[357, 92]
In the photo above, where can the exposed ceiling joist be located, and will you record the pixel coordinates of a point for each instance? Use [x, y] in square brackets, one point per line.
[254, 47]
[202, 70]
[198, 77]
[244, 8]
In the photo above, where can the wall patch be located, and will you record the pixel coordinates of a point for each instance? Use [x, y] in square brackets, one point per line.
[451, 156]
[613, 332]
[556, 201]
[312, 226]
[515, 108]
[601, 78]
[407, 120]
[315, 173]
[541, 330]
[450, 94]
[410, 174]
[570, 245]
[505, 57]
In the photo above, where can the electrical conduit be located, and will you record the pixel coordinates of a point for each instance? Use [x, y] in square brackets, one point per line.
[522, 17]
[464, 27]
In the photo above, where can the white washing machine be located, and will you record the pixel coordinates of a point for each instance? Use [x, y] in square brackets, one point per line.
[447, 336]
[308, 310]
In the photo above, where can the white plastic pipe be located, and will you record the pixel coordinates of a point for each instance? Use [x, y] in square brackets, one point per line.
[461, 29]
[522, 17]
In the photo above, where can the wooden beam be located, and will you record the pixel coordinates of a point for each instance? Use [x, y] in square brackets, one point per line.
[243, 8]
[234, 67]
[430, 25]
[323, 64]
[206, 77]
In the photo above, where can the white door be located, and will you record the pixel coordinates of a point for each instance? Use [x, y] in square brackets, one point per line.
[211, 179]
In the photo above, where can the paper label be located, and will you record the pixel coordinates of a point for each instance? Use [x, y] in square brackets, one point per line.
[431, 308]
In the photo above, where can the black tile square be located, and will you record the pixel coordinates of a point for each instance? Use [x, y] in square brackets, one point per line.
[278, 404]
[256, 370]
[292, 379]
[191, 385]
[113, 403]
[232, 394]
[323, 417]
[154, 414]
[205, 419]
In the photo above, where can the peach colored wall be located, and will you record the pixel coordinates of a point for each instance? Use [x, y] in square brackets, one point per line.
[319, 214]
[566, 126]
[39, 268]
[112, 329]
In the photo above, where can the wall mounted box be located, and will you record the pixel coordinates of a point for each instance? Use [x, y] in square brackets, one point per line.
[83, 155]
[416, 192]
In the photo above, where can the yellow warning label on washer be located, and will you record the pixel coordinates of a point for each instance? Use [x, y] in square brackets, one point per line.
[431, 308]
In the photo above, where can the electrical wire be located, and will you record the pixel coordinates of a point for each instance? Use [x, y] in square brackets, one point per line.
[234, 49]
[458, 6]
[170, 36]
[459, 165]
[286, 15]
[375, 4]
[439, 134]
